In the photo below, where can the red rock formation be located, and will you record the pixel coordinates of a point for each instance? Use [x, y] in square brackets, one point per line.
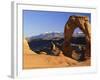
[76, 21]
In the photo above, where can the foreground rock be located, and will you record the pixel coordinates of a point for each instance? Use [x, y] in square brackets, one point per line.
[27, 50]
[46, 61]
[34, 60]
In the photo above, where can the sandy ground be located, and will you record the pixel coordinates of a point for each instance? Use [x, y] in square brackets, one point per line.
[34, 60]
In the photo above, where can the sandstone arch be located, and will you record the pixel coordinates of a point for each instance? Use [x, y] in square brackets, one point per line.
[73, 22]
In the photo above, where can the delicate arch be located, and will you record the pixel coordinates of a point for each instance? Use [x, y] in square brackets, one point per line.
[73, 22]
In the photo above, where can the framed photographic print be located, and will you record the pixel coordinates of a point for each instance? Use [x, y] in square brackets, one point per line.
[51, 40]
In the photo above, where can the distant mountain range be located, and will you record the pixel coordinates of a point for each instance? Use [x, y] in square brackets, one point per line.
[48, 36]
[53, 36]
[78, 34]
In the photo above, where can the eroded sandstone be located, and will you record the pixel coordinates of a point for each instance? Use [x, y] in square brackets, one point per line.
[82, 22]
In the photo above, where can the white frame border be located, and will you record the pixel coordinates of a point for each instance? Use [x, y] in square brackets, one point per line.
[16, 66]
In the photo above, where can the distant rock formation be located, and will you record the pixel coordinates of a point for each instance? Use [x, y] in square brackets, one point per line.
[82, 22]
[27, 49]
[55, 50]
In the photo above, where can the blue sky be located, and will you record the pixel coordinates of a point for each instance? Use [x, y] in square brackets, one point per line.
[37, 22]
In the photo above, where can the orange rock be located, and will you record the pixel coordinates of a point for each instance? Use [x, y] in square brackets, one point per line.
[73, 22]
[27, 49]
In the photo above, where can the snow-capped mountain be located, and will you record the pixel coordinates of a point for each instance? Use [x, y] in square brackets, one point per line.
[78, 34]
[48, 36]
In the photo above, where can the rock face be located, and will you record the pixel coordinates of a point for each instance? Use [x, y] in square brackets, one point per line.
[26, 47]
[81, 22]
[27, 50]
